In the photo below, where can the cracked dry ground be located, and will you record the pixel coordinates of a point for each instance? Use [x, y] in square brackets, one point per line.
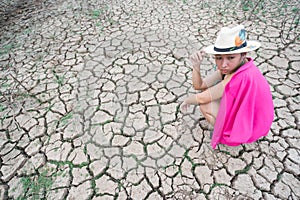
[90, 95]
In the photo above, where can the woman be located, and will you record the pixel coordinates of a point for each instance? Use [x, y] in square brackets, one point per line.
[235, 99]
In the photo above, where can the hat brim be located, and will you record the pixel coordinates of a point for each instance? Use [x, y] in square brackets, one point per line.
[251, 46]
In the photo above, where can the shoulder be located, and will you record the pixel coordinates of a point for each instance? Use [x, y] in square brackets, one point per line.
[239, 82]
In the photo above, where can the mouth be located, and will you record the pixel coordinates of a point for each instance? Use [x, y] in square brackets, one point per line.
[224, 71]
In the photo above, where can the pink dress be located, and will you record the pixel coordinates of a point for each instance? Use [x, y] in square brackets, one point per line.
[246, 109]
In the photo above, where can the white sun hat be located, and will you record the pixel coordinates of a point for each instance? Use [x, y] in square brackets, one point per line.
[232, 40]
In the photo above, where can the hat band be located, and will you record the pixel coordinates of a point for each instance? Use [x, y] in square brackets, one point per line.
[230, 48]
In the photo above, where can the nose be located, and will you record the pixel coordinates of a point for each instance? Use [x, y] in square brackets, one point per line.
[224, 63]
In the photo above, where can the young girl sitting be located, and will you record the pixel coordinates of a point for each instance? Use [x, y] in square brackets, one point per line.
[235, 99]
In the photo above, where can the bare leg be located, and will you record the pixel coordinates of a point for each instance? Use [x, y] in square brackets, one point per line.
[210, 111]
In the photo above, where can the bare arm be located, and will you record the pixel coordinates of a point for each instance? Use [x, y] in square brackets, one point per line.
[212, 79]
[196, 60]
[212, 93]
[202, 84]
[198, 83]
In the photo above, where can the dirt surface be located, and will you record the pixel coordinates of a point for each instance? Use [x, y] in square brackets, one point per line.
[90, 94]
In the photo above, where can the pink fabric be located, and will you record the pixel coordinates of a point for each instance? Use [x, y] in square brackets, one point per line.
[246, 109]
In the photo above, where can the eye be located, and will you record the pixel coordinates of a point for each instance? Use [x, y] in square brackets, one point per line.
[218, 58]
[231, 57]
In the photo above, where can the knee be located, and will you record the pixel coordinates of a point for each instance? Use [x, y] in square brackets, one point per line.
[203, 108]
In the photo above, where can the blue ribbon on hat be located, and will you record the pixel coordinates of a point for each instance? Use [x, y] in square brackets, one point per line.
[230, 48]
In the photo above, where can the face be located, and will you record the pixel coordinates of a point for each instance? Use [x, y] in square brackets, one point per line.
[229, 62]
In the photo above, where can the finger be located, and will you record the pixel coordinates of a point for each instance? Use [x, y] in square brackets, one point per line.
[193, 60]
[203, 52]
[194, 56]
[199, 56]
[183, 107]
[183, 104]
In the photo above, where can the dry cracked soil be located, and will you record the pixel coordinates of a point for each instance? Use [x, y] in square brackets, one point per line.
[90, 93]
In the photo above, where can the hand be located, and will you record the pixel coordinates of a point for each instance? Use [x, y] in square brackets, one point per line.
[191, 100]
[184, 106]
[196, 59]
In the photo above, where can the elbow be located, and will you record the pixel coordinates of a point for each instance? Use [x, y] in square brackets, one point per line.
[197, 87]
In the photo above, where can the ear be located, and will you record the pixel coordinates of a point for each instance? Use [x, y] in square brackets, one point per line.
[244, 54]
